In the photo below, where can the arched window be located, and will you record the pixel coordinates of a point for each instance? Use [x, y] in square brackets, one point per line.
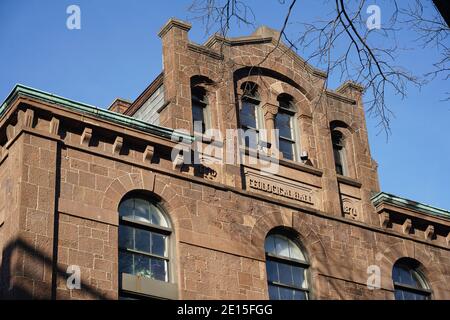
[337, 139]
[284, 122]
[287, 269]
[249, 113]
[144, 233]
[409, 282]
[200, 111]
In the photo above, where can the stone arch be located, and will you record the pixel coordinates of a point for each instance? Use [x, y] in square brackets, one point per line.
[305, 234]
[278, 72]
[428, 266]
[262, 86]
[300, 100]
[200, 71]
[146, 181]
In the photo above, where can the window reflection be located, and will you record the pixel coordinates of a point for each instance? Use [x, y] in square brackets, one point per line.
[143, 239]
[284, 122]
[409, 283]
[286, 268]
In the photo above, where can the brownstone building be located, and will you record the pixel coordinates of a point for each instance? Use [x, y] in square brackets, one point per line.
[98, 195]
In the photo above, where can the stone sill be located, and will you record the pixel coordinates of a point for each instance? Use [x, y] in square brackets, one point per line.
[349, 181]
[286, 163]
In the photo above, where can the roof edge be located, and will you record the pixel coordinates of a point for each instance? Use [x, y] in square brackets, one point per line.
[384, 197]
[22, 90]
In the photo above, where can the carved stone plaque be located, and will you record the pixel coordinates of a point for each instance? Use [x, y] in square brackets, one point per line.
[351, 208]
[280, 188]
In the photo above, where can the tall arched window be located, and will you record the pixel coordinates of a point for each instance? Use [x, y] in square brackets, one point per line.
[284, 122]
[249, 115]
[200, 111]
[409, 282]
[337, 139]
[287, 269]
[144, 233]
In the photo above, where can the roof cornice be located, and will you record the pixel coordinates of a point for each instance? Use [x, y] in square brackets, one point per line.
[387, 198]
[80, 107]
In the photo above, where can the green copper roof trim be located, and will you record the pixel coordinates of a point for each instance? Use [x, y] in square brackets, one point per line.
[414, 205]
[91, 110]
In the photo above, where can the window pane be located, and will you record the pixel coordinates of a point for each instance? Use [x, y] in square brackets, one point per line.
[156, 217]
[295, 252]
[283, 124]
[399, 295]
[142, 240]
[272, 271]
[141, 210]
[248, 114]
[198, 116]
[405, 276]
[126, 208]
[285, 272]
[273, 292]
[403, 294]
[125, 262]
[251, 138]
[300, 295]
[126, 238]
[299, 277]
[269, 244]
[286, 294]
[142, 266]
[287, 148]
[159, 269]
[159, 245]
[281, 246]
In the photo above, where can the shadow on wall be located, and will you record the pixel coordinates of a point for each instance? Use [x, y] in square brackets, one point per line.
[26, 281]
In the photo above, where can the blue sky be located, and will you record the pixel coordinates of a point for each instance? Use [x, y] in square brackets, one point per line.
[117, 53]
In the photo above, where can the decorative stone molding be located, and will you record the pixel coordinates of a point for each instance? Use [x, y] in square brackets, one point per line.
[10, 132]
[174, 23]
[86, 136]
[148, 154]
[54, 126]
[270, 111]
[429, 233]
[407, 225]
[384, 219]
[350, 209]
[178, 162]
[117, 146]
[25, 118]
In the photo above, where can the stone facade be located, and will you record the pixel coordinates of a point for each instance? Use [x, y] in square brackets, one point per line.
[65, 167]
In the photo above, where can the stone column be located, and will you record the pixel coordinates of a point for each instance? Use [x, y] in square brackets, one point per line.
[270, 111]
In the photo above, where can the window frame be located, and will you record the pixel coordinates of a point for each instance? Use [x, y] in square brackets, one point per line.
[305, 264]
[341, 150]
[202, 103]
[412, 266]
[145, 287]
[255, 100]
[286, 99]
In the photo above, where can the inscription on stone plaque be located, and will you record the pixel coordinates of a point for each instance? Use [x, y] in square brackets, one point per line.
[350, 208]
[288, 190]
